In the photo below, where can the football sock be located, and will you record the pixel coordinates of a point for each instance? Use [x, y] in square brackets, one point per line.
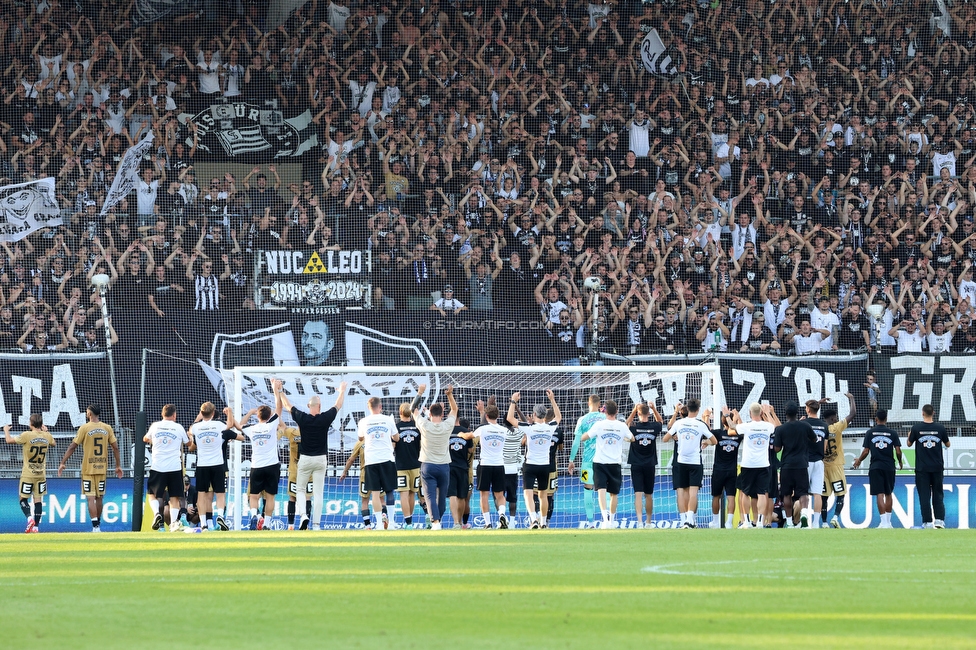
[588, 505]
[552, 505]
[604, 515]
[716, 518]
[423, 506]
[291, 512]
[408, 520]
[254, 512]
[219, 512]
[96, 522]
[154, 506]
[691, 517]
[762, 521]
[38, 511]
[487, 516]
[823, 510]
[839, 505]
[25, 507]
[365, 513]
[728, 520]
[174, 515]
[513, 509]
[816, 520]
[465, 517]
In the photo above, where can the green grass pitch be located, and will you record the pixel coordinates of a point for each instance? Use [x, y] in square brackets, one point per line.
[470, 589]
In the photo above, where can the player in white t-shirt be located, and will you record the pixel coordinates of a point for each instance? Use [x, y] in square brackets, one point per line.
[753, 479]
[378, 433]
[537, 436]
[206, 437]
[693, 436]
[491, 468]
[265, 464]
[167, 438]
[609, 435]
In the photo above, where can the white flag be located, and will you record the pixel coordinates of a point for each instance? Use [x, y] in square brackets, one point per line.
[127, 174]
[654, 56]
[26, 207]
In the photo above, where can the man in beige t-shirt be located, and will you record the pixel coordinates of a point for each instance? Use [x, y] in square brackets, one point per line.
[435, 459]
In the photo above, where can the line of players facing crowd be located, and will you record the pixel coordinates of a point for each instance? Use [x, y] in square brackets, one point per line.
[812, 455]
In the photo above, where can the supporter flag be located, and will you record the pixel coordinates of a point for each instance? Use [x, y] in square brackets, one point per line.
[654, 55]
[27, 207]
[128, 172]
[149, 11]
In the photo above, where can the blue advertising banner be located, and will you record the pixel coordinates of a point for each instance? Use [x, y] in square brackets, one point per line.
[65, 510]
[860, 510]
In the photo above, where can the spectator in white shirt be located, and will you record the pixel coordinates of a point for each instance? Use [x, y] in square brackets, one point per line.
[909, 335]
[808, 340]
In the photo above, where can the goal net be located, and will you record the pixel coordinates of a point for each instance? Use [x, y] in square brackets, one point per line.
[665, 387]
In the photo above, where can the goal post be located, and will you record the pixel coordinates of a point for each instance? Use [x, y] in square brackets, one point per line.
[666, 386]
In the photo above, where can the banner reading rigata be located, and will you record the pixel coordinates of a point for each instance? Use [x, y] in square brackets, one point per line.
[28, 207]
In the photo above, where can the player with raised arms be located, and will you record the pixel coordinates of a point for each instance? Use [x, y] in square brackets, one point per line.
[206, 437]
[643, 458]
[609, 434]
[588, 450]
[753, 479]
[491, 469]
[265, 464]
[94, 437]
[35, 443]
[692, 436]
[537, 437]
[835, 482]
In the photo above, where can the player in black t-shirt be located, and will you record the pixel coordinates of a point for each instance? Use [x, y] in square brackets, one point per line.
[929, 466]
[459, 488]
[794, 438]
[883, 444]
[724, 470]
[643, 458]
[815, 460]
[407, 456]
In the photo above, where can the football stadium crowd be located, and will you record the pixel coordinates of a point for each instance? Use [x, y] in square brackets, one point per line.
[803, 165]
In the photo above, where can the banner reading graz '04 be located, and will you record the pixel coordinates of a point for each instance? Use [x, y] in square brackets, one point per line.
[910, 381]
[58, 386]
[312, 282]
[750, 378]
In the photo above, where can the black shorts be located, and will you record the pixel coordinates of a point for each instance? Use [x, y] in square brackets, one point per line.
[686, 476]
[380, 477]
[458, 485]
[211, 479]
[773, 483]
[882, 481]
[160, 482]
[511, 488]
[753, 481]
[642, 477]
[795, 483]
[535, 477]
[606, 476]
[265, 479]
[491, 478]
[723, 480]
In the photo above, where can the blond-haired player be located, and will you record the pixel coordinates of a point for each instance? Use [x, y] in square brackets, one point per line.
[206, 436]
[33, 476]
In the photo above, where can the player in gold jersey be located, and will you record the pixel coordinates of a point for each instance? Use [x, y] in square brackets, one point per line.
[834, 480]
[94, 437]
[33, 477]
[294, 437]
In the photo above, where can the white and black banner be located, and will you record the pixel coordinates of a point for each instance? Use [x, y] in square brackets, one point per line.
[127, 175]
[910, 381]
[654, 55]
[240, 128]
[149, 11]
[27, 207]
[58, 386]
[317, 283]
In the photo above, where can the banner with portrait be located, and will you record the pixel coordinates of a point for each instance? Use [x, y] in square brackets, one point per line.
[26, 208]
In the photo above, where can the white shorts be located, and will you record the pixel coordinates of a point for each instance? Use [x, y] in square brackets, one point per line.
[815, 471]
